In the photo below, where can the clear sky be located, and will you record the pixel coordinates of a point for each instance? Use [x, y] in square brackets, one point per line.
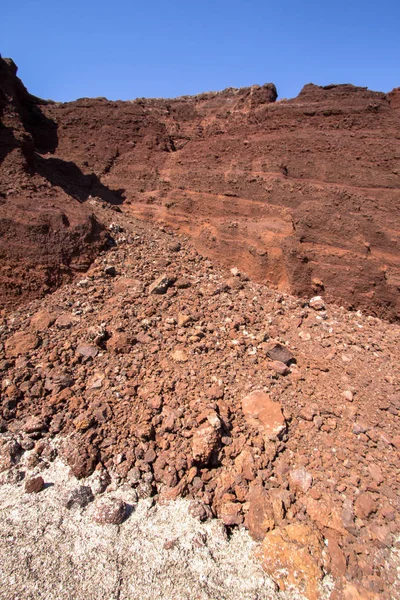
[125, 49]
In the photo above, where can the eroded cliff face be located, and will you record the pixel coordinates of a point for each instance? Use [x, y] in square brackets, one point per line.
[300, 194]
[46, 234]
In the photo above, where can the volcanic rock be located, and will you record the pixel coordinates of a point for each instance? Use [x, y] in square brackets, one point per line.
[292, 556]
[281, 354]
[34, 485]
[21, 343]
[110, 511]
[205, 443]
[263, 414]
[79, 497]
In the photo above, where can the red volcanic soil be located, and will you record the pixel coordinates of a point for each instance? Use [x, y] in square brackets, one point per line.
[301, 194]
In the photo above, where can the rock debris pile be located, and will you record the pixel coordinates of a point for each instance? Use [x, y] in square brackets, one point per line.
[159, 371]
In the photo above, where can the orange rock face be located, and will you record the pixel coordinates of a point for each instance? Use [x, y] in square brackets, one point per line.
[299, 194]
[292, 556]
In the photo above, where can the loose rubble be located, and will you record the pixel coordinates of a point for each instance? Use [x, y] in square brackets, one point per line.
[178, 394]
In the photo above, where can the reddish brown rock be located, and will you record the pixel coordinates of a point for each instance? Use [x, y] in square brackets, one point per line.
[263, 414]
[324, 513]
[21, 343]
[160, 285]
[34, 425]
[279, 353]
[279, 367]
[300, 480]
[87, 350]
[42, 320]
[231, 513]
[205, 443]
[80, 456]
[34, 485]
[260, 516]
[180, 356]
[120, 343]
[365, 505]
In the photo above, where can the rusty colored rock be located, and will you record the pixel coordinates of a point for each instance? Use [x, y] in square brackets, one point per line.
[34, 485]
[21, 343]
[205, 443]
[260, 517]
[292, 556]
[263, 414]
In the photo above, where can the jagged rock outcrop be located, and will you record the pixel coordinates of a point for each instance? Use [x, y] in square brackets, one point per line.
[46, 234]
[300, 194]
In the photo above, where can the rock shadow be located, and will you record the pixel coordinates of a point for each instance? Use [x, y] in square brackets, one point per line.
[74, 182]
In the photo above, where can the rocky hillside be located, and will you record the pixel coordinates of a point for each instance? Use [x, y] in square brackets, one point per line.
[168, 369]
[301, 194]
[160, 374]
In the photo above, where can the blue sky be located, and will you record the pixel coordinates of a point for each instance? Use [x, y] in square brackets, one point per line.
[127, 49]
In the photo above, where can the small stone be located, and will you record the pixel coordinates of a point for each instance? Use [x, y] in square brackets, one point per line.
[280, 353]
[10, 453]
[305, 336]
[42, 320]
[360, 428]
[160, 285]
[365, 505]
[174, 247]
[308, 413]
[215, 392]
[109, 511]
[79, 497]
[110, 270]
[260, 517]
[120, 342]
[134, 475]
[300, 480]
[348, 395]
[144, 490]
[66, 320]
[376, 473]
[231, 513]
[382, 535]
[317, 303]
[183, 320]
[87, 350]
[180, 356]
[34, 425]
[205, 443]
[34, 485]
[279, 367]
[150, 456]
[21, 343]
[199, 510]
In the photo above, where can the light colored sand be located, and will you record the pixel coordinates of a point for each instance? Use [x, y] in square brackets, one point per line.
[49, 552]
